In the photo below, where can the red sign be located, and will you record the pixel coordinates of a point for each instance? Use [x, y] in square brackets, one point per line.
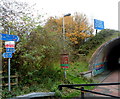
[64, 61]
[9, 44]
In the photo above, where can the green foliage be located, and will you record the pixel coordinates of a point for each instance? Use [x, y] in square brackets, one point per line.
[35, 54]
[96, 41]
[47, 80]
[73, 77]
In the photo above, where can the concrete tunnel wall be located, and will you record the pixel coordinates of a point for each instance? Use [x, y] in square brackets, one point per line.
[106, 57]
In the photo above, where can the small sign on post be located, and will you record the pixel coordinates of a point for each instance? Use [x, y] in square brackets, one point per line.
[8, 37]
[64, 61]
[9, 44]
[7, 55]
[10, 50]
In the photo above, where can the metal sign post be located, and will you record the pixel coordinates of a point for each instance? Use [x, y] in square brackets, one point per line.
[9, 45]
[64, 59]
[96, 31]
[9, 86]
[64, 72]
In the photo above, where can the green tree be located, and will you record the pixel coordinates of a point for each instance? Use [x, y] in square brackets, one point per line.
[18, 16]
[37, 49]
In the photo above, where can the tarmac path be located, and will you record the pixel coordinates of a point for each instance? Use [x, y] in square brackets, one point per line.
[111, 89]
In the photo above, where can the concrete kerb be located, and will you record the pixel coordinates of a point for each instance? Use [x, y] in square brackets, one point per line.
[35, 95]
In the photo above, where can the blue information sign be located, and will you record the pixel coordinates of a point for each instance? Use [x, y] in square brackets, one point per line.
[7, 37]
[98, 24]
[10, 50]
[7, 55]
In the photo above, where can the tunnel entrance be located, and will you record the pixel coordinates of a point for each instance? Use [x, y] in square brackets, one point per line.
[106, 57]
[113, 58]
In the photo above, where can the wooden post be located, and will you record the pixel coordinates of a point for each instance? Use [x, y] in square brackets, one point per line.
[16, 79]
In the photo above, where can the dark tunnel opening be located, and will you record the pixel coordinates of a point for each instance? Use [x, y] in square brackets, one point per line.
[113, 58]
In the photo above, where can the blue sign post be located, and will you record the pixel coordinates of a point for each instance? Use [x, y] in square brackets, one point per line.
[10, 50]
[7, 55]
[8, 37]
[98, 25]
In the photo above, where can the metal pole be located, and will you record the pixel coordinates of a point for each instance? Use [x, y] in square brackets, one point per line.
[65, 72]
[96, 31]
[63, 35]
[1, 68]
[64, 43]
[9, 86]
[64, 48]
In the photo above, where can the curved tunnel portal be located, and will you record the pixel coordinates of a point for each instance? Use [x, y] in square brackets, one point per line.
[113, 61]
[106, 57]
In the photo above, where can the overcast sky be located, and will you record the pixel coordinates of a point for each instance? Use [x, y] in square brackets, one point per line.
[105, 10]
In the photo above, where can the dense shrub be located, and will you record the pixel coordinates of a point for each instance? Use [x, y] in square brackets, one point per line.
[35, 53]
[95, 41]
